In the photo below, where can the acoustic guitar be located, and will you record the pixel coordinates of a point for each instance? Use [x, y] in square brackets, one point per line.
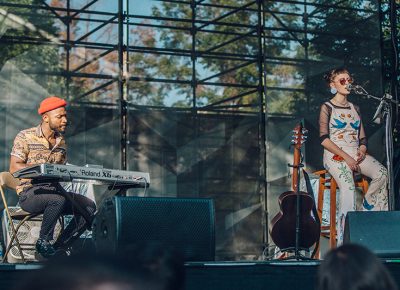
[283, 226]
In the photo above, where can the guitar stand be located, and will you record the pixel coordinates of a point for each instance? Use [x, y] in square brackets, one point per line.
[287, 229]
[296, 249]
[297, 255]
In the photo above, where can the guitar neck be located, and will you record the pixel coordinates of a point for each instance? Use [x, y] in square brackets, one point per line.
[298, 140]
[296, 163]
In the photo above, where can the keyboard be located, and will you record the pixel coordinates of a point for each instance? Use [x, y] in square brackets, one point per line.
[60, 172]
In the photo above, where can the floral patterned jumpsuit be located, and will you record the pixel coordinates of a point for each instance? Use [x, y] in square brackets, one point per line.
[343, 126]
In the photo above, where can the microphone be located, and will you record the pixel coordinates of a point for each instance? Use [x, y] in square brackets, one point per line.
[351, 87]
[355, 88]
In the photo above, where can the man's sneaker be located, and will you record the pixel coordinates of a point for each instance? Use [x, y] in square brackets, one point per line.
[44, 248]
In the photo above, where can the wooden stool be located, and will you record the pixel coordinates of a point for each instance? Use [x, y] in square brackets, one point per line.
[328, 182]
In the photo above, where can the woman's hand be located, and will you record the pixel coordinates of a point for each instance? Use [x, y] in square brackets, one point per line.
[361, 153]
[353, 164]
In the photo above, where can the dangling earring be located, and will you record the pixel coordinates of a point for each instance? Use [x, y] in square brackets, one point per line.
[333, 91]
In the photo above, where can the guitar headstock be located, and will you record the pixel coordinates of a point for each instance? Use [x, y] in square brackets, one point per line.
[299, 136]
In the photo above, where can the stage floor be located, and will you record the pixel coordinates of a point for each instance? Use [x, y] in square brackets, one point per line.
[244, 275]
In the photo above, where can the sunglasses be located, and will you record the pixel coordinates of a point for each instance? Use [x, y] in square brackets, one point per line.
[343, 81]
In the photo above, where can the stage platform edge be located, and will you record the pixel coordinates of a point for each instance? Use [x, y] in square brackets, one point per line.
[221, 275]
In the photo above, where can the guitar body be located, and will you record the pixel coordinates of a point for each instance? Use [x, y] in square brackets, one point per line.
[283, 225]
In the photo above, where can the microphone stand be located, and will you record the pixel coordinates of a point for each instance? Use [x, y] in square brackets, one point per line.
[384, 111]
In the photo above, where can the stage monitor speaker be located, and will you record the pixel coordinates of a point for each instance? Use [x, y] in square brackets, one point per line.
[186, 224]
[379, 231]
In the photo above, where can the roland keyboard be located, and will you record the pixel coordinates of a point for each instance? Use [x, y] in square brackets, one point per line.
[60, 172]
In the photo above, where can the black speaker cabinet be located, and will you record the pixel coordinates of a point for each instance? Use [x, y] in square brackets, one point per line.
[377, 230]
[186, 224]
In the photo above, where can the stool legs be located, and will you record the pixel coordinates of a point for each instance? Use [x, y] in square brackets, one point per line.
[330, 183]
[332, 221]
[320, 202]
[364, 186]
[321, 189]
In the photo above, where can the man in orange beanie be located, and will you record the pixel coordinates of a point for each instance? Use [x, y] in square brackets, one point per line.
[45, 144]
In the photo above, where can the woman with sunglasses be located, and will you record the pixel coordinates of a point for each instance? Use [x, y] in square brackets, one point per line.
[345, 150]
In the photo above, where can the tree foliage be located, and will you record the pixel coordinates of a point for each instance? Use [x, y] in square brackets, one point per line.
[20, 26]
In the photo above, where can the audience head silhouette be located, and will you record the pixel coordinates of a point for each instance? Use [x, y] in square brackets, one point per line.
[89, 272]
[164, 262]
[353, 267]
